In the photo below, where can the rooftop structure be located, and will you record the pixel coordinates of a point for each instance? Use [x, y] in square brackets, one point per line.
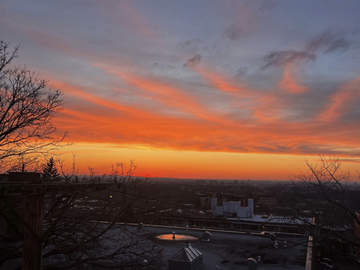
[188, 258]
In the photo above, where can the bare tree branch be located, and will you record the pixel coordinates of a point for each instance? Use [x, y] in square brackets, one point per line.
[27, 106]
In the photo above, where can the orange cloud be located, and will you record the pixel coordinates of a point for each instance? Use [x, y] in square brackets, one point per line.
[268, 108]
[167, 94]
[221, 83]
[124, 14]
[75, 90]
[97, 120]
[159, 132]
[288, 82]
[265, 108]
[339, 102]
[141, 24]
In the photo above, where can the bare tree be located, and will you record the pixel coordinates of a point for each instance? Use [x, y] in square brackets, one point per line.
[27, 106]
[85, 227]
[72, 175]
[323, 192]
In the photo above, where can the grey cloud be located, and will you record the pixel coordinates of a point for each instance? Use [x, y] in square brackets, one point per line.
[241, 72]
[247, 17]
[233, 32]
[329, 42]
[281, 58]
[339, 44]
[194, 61]
[192, 45]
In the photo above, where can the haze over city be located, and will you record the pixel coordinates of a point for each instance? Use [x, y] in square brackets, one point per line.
[198, 89]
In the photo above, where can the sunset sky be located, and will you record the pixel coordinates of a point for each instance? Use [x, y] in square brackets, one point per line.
[198, 89]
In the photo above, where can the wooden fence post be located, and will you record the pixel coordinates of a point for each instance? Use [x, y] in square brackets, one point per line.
[32, 246]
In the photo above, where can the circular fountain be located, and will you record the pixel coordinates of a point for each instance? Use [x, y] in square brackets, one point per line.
[176, 237]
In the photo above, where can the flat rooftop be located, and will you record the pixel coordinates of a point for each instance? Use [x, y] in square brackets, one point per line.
[274, 219]
[229, 251]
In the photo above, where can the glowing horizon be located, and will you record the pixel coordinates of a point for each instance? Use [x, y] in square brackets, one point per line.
[151, 162]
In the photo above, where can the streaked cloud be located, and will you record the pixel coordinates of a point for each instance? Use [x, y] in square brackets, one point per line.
[194, 61]
[241, 72]
[247, 17]
[329, 41]
[288, 82]
[282, 58]
[205, 76]
[342, 101]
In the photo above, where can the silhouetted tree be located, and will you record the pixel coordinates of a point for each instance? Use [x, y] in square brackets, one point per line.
[323, 192]
[50, 172]
[27, 106]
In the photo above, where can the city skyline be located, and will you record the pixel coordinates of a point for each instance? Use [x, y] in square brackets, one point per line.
[212, 89]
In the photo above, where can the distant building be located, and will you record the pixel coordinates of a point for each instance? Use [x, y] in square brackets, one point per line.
[204, 199]
[207, 220]
[202, 182]
[233, 209]
[24, 177]
[188, 258]
[268, 202]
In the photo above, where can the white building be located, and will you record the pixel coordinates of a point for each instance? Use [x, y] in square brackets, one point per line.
[233, 208]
